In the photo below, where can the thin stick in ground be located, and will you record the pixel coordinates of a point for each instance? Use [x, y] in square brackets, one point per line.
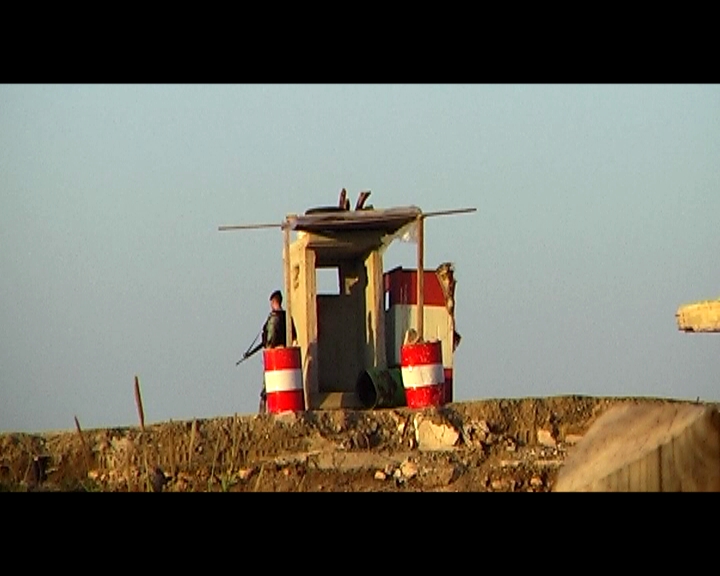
[260, 474]
[138, 402]
[233, 450]
[191, 447]
[84, 445]
[212, 470]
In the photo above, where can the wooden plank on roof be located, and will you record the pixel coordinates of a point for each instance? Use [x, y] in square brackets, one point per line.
[388, 220]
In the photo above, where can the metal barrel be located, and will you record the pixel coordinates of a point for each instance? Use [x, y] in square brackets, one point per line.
[283, 379]
[381, 388]
[423, 375]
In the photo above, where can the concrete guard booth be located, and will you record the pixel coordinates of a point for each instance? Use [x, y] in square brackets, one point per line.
[357, 334]
[351, 341]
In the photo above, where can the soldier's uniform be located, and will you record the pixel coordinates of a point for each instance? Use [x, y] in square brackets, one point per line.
[274, 335]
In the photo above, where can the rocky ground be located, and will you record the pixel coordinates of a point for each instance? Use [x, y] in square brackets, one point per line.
[510, 445]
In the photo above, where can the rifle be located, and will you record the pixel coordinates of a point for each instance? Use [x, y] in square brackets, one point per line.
[250, 351]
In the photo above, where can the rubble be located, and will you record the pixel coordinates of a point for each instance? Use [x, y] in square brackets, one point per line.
[498, 485]
[245, 473]
[473, 446]
[409, 469]
[475, 433]
[430, 436]
[545, 438]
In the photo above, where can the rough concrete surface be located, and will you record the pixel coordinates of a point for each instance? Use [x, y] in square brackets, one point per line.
[505, 445]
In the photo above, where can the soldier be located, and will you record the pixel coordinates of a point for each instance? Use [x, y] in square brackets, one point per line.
[274, 331]
[273, 335]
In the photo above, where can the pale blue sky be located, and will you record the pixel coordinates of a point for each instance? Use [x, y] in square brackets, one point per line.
[597, 217]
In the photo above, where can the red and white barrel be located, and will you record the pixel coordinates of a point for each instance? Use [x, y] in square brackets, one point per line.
[283, 379]
[401, 294]
[423, 375]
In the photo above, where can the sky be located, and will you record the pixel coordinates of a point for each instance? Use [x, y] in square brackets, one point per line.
[597, 217]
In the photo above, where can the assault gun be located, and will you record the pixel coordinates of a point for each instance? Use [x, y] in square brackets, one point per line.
[250, 351]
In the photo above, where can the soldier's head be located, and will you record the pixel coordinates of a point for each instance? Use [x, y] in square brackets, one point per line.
[276, 300]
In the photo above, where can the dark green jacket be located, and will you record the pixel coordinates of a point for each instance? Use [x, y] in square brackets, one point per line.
[274, 330]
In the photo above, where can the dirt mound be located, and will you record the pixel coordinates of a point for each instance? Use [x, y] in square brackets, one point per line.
[490, 445]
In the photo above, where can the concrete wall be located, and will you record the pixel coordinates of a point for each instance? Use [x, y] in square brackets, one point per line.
[339, 335]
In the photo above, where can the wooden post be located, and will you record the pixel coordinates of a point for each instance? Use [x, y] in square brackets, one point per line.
[138, 403]
[288, 284]
[420, 279]
[86, 450]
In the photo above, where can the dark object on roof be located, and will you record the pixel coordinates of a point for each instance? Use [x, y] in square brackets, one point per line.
[344, 202]
[361, 199]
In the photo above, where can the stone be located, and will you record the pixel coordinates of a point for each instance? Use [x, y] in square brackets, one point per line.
[245, 473]
[472, 436]
[497, 484]
[408, 469]
[545, 438]
[431, 436]
[380, 475]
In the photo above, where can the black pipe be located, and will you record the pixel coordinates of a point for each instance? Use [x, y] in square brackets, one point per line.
[381, 388]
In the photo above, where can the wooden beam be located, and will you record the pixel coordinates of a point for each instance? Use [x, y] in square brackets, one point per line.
[248, 227]
[449, 212]
[420, 278]
[339, 219]
[288, 287]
